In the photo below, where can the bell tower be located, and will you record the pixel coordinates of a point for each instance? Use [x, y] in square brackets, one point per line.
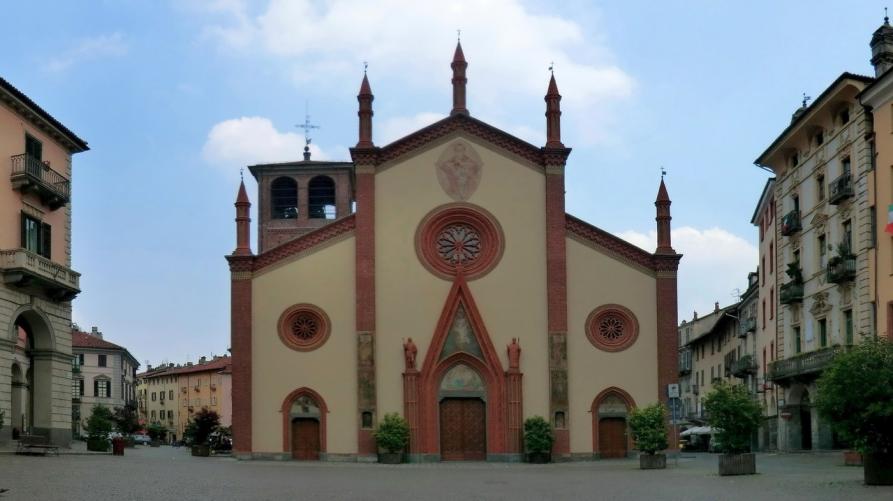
[882, 47]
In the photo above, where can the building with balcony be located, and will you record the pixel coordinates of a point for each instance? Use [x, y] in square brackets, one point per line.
[37, 283]
[103, 374]
[823, 162]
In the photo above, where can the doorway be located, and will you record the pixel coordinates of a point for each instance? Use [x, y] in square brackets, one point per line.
[805, 422]
[305, 443]
[463, 430]
[612, 440]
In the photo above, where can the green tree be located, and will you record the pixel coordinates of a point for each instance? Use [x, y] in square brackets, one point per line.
[734, 415]
[649, 429]
[99, 425]
[205, 422]
[538, 436]
[126, 420]
[156, 431]
[392, 433]
[855, 394]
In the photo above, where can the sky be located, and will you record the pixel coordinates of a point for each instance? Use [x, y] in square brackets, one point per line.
[174, 97]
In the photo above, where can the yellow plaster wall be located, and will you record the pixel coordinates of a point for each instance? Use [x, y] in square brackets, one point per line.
[511, 298]
[594, 279]
[324, 278]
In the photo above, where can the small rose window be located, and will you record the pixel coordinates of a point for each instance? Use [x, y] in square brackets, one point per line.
[304, 327]
[459, 238]
[612, 328]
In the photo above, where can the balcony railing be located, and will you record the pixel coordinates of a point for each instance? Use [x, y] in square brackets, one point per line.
[744, 366]
[841, 269]
[790, 292]
[30, 174]
[805, 366]
[841, 189]
[790, 223]
[37, 274]
[747, 325]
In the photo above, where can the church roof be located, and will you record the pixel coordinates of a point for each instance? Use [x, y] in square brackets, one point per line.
[610, 243]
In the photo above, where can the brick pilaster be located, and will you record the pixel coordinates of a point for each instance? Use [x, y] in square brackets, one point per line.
[365, 303]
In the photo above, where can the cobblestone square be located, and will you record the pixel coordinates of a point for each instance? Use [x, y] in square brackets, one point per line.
[171, 473]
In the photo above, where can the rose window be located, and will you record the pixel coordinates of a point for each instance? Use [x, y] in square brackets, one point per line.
[459, 244]
[304, 327]
[459, 239]
[612, 328]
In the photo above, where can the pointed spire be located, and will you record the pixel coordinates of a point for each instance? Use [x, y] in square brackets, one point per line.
[242, 197]
[243, 222]
[662, 195]
[553, 114]
[365, 113]
[459, 81]
[664, 244]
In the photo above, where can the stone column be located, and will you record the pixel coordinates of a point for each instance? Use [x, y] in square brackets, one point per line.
[411, 408]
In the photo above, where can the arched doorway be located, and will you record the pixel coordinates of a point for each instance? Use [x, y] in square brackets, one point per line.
[35, 375]
[463, 420]
[304, 425]
[805, 422]
[17, 418]
[609, 423]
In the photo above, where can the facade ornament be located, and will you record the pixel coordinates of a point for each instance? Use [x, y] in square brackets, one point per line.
[820, 303]
[459, 170]
[514, 352]
[409, 353]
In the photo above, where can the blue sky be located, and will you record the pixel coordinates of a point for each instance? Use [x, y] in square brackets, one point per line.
[174, 96]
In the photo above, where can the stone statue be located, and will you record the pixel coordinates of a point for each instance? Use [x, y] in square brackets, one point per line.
[409, 353]
[514, 351]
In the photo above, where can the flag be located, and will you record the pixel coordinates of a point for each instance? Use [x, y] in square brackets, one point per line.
[889, 228]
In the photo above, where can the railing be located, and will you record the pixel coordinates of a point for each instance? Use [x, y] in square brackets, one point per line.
[841, 269]
[841, 188]
[33, 266]
[748, 324]
[29, 171]
[806, 364]
[790, 292]
[790, 223]
[744, 366]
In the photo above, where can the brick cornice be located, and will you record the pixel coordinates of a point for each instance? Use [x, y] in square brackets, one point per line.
[300, 244]
[612, 244]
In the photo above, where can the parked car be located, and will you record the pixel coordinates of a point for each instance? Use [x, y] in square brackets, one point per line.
[141, 439]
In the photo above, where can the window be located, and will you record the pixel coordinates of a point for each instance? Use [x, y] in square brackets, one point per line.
[796, 200]
[102, 360]
[819, 138]
[823, 333]
[154, 395]
[847, 239]
[844, 116]
[101, 388]
[161, 396]
[764, 313]
[797, 346]
[845, 165]
[33, 147]
[36, 236]
[75, 388]
[321, 198]
[81, 359]
[771, 258]
[848, 326]
[763, 270]
[820, 187]
[170, 394]
[771, 303]
[820, 241]
[153, 415]
[771, 350]
[795, 160]
[284, 195]
[170, 415]
[81, 387]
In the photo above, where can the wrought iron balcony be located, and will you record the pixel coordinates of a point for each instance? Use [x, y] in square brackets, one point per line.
[790, 223]
[747, 325]
[841, 189]
[803, 367]
[38, 275]
[791, 292]
[29, 174]
[841, 269]
[744, 366]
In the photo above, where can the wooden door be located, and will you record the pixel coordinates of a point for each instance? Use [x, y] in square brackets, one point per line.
[612, 441]
[305, 439]
[463, 434]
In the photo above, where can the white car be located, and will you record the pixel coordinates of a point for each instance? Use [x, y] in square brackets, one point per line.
[141, 439]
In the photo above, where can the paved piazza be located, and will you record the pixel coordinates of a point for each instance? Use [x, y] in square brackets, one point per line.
[168, 473]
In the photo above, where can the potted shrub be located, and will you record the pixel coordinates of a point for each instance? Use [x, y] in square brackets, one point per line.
[127, 422]
[391, 436]
[538, 440]
[649, 429]
[156, 432]
[855, 395]
[99, 426]
[735, 417]
[204, 422]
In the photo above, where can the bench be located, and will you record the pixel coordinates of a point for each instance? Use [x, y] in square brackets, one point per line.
[35, 444]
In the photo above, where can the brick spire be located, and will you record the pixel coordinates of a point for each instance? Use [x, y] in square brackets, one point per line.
[365, 98]
[459, 81]
[553, 115]
[243, 222]
[663, 220]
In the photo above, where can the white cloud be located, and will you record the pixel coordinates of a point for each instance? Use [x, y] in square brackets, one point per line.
[238, 142]
[508, 48]
[88, 49]
[394, 128]
[715, 265]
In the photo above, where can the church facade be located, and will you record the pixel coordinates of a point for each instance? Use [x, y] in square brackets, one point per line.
[458, 293]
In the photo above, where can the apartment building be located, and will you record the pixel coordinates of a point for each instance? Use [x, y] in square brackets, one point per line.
[158, 396]
[37, 283]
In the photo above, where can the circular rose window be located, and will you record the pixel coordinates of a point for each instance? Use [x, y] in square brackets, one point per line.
[612, 327]
[304, 327]
[459, 238]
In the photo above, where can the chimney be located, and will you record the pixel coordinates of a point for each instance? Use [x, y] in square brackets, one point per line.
[695, 316]
[716, 307]
[188, 364]
[202, 360]
[148, 368]
[170, 365]
[95, 332]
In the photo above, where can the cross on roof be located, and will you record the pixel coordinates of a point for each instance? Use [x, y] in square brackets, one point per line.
[307, 126]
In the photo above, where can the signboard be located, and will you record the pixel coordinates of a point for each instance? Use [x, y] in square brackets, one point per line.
[673, 390]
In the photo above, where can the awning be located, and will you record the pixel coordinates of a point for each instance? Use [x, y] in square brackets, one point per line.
[697, 430]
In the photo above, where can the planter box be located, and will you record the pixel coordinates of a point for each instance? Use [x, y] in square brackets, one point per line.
[878, 468]
[539, 457]
[97, 445]
[201, 450]
[390, 457]
[852, 458]
[652, 461]
[737, 464]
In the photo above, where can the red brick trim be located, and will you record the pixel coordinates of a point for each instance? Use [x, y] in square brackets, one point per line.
[367, 398]
[610, 243]
[593, 409]
[630, 327]
[285, 409]
[667, 333]
[304, 242]
[324, 327]
[489, 231]
[490, 370]
[240, 327]
[556, 296]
